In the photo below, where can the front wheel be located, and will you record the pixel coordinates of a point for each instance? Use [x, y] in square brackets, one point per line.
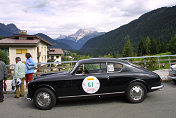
[136, 92]
[44, 98]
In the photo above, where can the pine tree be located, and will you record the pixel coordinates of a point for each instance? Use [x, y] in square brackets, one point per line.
[4, 56]
[172, 45]
[148, 46]
[158, 46]
[153, 47]
[127, 49]
[140, 48]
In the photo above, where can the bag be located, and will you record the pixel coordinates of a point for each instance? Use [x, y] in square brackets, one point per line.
[30, 67]
[19, 82]
[13, 86]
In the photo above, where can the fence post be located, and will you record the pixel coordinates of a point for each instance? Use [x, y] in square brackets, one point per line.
[144, 63]
[158, 63]
[50, 67]
[169, 61]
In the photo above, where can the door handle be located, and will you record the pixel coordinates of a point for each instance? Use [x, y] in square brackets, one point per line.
[108, 77]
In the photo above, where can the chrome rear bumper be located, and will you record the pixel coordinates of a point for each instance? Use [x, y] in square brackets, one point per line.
[172, 77]
[157, 87]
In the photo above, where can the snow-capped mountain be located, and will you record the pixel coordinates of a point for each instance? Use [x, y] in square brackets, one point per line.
[77, 40]
[76, 36]
[80, 34]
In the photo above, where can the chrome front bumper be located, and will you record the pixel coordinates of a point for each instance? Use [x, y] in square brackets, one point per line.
[157, 87]
[172, 77]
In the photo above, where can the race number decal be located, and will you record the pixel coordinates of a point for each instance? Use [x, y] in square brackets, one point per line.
[90, 84]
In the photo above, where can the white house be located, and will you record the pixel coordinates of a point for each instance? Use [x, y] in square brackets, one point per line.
[19, 45]
[55, 54]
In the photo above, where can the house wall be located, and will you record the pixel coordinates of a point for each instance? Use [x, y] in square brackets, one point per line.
[32, 50]
[13, 55]
[59, 59]
[43, 51]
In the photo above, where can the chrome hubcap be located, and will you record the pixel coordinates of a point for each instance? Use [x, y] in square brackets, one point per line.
[43, 99]
[136, 92]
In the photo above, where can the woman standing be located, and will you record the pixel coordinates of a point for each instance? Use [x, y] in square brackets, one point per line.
[30, 65]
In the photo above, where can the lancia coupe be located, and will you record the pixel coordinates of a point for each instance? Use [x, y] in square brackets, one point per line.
[94, 77]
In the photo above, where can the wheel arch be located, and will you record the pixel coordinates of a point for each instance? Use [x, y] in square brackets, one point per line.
[140, 81]
[44, 86]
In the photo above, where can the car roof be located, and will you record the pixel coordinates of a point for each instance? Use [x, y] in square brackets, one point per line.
[94, 60]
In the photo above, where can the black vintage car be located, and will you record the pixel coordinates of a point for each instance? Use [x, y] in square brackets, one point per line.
[94, 77]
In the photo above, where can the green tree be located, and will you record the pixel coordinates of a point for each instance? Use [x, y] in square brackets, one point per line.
[108, 55]
[4, 57]
[1, 37]
[127, 49]
[172, 45]
[153, 47]
[148, 46]
[158, 49]
[141, 48]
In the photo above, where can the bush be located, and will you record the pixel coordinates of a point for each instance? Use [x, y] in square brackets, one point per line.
[4, 57]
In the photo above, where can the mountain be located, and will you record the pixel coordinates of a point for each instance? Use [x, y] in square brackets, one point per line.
[55, 44]
[77, 40]
[157, 24]
[8, 30]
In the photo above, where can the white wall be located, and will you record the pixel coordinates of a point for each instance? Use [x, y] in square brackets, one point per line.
[13, 55]
[43, 49]
[32, 50]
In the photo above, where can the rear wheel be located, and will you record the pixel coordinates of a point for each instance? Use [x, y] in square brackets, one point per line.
[174, 81]
[44, 98]
[136, 92]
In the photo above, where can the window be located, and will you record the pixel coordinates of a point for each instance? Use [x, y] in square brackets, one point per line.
[80, 70]
[95, 68]
[91, 68]
[45, 58]
[114, 67]
[45, 49]
[42, 49]
[52, 57]
[21, 51]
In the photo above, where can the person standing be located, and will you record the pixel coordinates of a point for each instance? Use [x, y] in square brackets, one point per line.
[30, 65]
[19, 72]
[3, 76]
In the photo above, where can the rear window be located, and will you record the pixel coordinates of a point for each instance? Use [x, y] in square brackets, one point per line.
[114, 67]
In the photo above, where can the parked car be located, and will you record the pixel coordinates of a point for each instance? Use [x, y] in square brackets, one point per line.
[172, 73]
[94, 77]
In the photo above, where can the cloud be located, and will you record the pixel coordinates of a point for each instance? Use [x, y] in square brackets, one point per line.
[55, 17]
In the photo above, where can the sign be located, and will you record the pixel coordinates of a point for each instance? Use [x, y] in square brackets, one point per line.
[90, 84]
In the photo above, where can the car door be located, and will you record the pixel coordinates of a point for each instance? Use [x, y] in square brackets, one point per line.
[117, 79]
[92, 79]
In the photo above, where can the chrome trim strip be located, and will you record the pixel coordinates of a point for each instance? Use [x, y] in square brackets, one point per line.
[91, 95]
[29, 99]
[157, 87]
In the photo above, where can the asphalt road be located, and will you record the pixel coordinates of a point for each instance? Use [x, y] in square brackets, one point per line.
[158, 104]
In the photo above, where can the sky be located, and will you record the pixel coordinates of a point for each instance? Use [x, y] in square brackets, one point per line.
[55, 17]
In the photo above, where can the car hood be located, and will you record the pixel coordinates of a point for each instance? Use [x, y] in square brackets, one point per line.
[52, 75]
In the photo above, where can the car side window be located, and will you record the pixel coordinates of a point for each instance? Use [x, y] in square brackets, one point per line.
[80, 70]
[114, 67]
[95, 68]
